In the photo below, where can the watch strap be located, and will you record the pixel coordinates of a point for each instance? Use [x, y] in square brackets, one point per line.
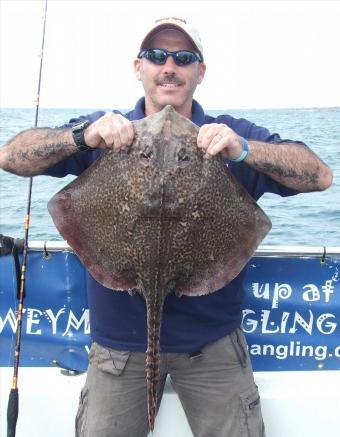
[78, 135]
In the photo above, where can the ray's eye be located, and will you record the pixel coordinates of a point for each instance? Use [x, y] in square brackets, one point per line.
[146, 155]
[182, 156]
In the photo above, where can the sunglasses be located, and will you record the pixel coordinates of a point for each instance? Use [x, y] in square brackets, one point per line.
[160, 56]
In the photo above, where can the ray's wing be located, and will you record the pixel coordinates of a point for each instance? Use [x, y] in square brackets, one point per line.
[226, 227]
[93, 213]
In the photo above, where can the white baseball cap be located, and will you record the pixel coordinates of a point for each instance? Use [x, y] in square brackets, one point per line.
[174, 23]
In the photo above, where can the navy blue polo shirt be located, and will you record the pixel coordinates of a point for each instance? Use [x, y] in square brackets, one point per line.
[117, 319]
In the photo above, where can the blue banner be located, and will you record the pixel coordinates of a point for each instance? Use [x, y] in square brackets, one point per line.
[290, 315]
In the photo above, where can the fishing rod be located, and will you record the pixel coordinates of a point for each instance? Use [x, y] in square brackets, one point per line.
[13, 401]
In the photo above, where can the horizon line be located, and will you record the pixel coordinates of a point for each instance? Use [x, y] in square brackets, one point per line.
[206, 109]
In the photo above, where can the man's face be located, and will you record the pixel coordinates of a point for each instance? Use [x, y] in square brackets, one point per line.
[169, 84]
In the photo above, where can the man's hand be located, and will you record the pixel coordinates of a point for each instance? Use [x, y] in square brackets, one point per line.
[293, 165]
[217, 138]
[110, 130]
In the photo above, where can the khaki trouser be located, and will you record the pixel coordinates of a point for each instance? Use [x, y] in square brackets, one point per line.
[215, 387]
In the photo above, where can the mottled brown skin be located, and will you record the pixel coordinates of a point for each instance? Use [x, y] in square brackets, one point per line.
[159, 217]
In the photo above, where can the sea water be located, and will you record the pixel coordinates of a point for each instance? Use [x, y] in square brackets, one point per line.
[311, 219]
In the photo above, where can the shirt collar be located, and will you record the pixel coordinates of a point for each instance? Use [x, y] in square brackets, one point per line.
[198, 116]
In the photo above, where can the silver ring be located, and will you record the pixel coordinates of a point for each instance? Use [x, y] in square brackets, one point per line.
[219, 137]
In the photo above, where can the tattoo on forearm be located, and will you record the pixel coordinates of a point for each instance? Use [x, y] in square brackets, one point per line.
[23, 155]
[47, 151]
[305, 177]
[10, 158]
[36, 149]
[293, 165]
[50, 150]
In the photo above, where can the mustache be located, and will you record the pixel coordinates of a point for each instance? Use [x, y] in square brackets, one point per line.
[169, 79]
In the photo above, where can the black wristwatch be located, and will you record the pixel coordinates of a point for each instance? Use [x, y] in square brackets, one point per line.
[78, 135]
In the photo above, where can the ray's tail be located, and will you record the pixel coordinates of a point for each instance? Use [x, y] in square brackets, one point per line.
[154, 311]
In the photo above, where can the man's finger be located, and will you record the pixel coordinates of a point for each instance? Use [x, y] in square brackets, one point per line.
[126, 133]
[217, 144]
[213, 134]
[124, 129]
[131, 132]
[117, 142]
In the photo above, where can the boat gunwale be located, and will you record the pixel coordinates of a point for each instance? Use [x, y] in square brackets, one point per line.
[264, 250]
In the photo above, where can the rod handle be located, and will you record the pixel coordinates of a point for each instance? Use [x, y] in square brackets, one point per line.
[12, 412]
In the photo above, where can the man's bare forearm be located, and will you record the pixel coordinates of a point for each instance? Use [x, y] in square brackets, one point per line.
[293, 165]
[32, 151]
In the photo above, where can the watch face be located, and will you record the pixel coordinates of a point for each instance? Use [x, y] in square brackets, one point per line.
[81, 125]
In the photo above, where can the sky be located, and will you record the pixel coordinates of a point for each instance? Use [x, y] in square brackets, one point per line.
[259, 54]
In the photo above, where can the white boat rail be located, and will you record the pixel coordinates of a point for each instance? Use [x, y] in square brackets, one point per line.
[265, 250]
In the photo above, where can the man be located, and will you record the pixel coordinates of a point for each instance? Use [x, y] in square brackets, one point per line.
[203, 348]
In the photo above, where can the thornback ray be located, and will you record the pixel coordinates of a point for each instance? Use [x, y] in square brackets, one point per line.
[158, 217]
